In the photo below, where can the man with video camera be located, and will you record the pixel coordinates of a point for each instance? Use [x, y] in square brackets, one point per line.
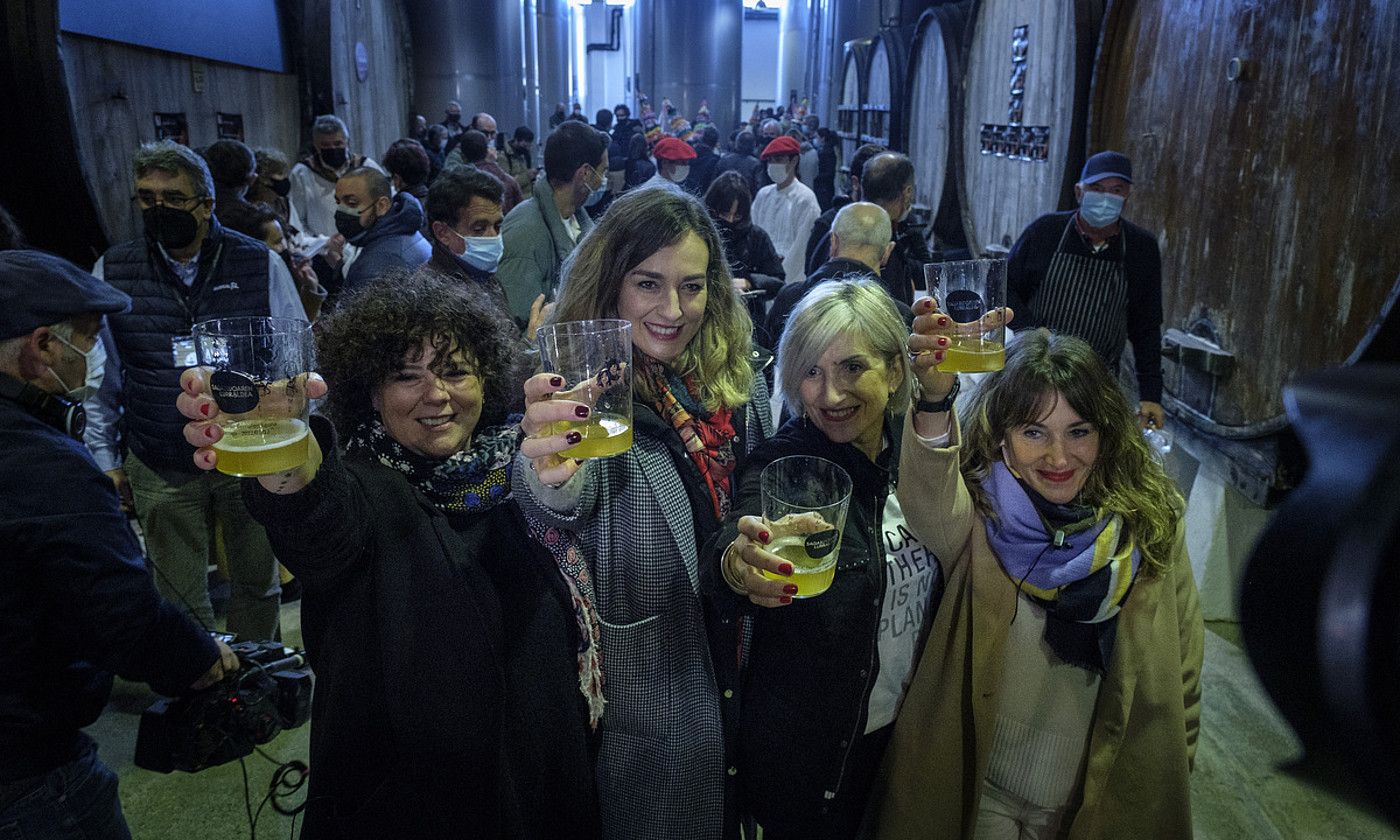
[76, 603]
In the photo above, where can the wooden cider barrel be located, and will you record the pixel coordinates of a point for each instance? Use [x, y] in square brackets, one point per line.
[885, 116]
[1027, 88]
[936, 69]
[850, 120]
[1270, 182]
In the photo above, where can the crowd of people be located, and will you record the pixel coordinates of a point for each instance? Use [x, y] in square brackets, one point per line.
[531, 645]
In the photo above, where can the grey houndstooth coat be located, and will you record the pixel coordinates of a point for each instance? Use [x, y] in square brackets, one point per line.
[661, 772]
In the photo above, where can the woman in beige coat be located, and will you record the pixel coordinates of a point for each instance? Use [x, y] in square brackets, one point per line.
[1058, 694]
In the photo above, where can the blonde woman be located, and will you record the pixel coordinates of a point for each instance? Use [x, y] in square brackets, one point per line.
[1059, 692]
[825, 676]
[627, 529]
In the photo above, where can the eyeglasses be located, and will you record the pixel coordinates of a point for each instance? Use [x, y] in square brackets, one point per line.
[146, 199]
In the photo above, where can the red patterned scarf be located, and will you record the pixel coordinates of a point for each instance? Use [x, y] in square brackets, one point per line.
[708, 437]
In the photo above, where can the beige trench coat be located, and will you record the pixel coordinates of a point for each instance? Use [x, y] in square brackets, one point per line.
[1144, 731]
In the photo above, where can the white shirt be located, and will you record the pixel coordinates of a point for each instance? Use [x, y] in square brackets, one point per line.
[313, 199]
[913, 583]
[787, 215]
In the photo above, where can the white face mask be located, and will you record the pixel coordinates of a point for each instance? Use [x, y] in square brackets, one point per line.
[95, 360]
[778, 172]
[680, 174]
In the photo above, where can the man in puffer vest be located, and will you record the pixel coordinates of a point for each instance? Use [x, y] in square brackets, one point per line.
[186, 269]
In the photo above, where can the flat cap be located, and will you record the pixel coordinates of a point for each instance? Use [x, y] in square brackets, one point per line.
[673, 148]
[40, 290]
[784, 145]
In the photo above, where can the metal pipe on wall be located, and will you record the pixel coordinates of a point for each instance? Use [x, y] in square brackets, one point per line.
[689, 52]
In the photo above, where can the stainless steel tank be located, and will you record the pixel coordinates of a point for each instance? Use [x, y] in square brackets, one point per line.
[690, 52]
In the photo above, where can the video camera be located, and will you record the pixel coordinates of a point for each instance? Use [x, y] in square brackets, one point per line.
[270, 692]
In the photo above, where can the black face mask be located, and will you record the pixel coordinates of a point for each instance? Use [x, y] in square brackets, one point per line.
[727, 230]
[281, 186]
[174, 229]
[454, 118]
[334, 157]
[348, 225]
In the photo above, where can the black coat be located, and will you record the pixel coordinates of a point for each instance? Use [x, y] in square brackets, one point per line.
[903, 274]
[78, 602]
[746, 165]
[751, 254]
[447, 696]
[812, 665]
[789, 296]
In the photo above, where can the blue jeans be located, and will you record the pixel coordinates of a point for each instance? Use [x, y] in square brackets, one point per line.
[77, 801]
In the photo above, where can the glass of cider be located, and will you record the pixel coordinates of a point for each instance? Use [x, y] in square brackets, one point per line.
[805, 500]
[257, 371]
[595, 359]
[973, 294]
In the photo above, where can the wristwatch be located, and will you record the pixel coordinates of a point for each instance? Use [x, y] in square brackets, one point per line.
[945, 404]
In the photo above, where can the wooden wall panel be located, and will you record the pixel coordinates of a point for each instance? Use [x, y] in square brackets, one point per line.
[115, 88]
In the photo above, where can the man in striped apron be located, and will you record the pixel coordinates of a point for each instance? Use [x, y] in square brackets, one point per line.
[1091, 273]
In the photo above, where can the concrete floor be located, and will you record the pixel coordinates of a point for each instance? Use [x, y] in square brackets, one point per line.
[208, 805]
[1238, 790]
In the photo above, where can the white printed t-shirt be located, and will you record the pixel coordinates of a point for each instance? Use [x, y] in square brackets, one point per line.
[913, 584]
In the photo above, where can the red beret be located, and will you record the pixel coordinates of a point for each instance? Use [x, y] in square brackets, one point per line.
[781, 146]
[671, 148]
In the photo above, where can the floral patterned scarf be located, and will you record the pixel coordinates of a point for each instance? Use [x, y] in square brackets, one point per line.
[707, 437]
[473, 480]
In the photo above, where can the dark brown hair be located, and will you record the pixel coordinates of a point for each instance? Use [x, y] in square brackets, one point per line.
[375, 327]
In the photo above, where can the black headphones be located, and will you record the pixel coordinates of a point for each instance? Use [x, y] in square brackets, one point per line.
[63, 414]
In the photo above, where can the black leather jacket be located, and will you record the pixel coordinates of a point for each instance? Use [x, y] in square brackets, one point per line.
[811, 666]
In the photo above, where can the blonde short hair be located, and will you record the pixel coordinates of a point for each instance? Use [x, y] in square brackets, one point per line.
[831, 309]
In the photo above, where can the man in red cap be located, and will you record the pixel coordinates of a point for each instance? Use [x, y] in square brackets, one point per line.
[673, 157]
[786, 208]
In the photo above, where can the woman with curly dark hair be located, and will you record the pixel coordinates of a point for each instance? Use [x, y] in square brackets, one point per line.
[443, 639]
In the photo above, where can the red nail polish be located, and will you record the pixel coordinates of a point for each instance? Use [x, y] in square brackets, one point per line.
[209, 432]
[942, 342]
[790, 589]
[764, 536]
[786, 599]
[581, 411]
[204, 409]
[938, 356]
[785, 569]
[556, 381]
[942, 322]
[573, 437]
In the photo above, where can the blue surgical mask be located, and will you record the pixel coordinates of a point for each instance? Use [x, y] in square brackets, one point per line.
[597, 195]
[96, 361]
[1100, 209]
[483, 252]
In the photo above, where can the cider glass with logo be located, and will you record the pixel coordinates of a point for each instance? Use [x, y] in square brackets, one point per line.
[805, 500]
[595, 359]
[257, 371]
[973, 294]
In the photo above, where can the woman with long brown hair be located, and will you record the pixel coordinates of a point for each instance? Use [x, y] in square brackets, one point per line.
[629, 528]
[1059, 692]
